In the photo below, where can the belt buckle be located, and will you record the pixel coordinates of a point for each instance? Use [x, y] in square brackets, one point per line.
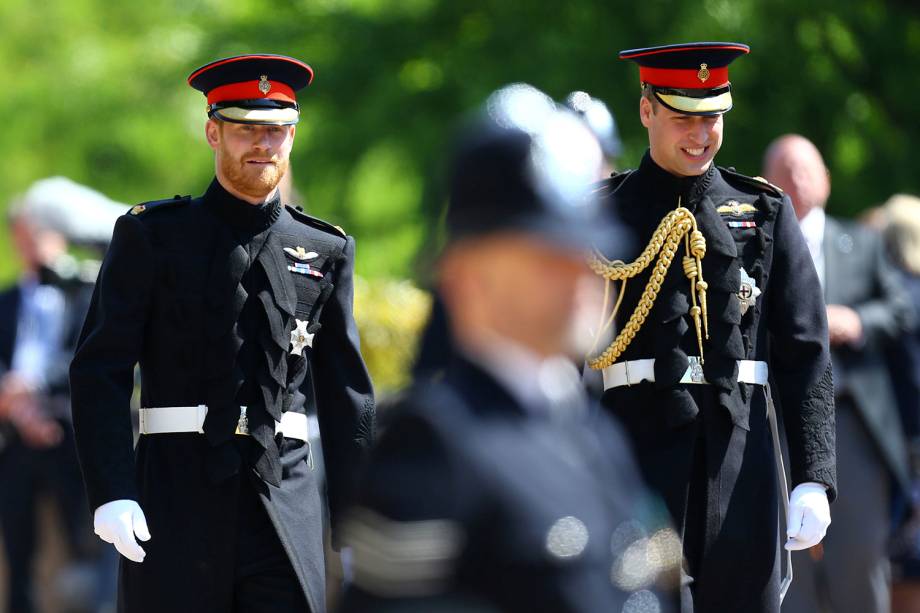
[696, 369]
[626, 367]
[242, 426]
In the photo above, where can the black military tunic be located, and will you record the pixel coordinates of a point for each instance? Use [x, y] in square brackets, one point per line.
[203, 294]
[707, 448]
[474, 502]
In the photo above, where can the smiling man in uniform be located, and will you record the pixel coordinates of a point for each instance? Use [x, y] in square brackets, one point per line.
[701, 340]
[238, 310]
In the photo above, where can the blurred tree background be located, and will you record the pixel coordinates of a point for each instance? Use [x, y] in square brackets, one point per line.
[95, 90]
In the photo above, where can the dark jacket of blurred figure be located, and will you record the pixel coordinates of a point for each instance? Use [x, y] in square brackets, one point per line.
[497, 486]
[867, 310]
[40, 318]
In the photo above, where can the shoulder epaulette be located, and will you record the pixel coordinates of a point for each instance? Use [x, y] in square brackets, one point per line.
[611, 183]
[146, 207]
[315, 222]
[758, 183]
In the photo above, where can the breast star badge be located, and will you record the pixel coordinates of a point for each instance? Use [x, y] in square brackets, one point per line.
[300, 338]
[748, 292]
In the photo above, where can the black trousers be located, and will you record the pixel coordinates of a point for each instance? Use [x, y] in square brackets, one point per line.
[25, 473]
[263, 578]
[246, 569]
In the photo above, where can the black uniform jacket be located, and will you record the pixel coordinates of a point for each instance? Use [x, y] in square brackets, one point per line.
[706, 448]
[201, 293]
[472, 502]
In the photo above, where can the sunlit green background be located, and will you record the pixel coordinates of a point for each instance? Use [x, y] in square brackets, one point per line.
[95, 90]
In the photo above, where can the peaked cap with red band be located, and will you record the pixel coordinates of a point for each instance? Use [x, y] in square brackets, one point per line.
[690, 78]
[256, 89]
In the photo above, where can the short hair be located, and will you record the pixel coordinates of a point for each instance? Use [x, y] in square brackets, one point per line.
[648, 92]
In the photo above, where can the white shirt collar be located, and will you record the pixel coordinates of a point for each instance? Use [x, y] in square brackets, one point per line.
[812, 226]
[538, 384]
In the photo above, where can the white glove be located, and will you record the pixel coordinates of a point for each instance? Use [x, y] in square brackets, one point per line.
[117, 522]
[809, 516]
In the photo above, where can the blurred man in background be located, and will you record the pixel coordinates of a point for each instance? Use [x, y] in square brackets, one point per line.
[496, 486]
[40, 318]
[867, 309]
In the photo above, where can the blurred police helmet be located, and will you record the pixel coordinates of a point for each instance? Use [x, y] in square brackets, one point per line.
[525, 164]
[599, 120]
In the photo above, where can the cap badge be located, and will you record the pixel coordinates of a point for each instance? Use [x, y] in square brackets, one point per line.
[137, 210]
[264, 85]
[703, 74]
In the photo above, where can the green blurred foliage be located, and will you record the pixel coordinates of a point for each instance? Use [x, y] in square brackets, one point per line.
[95, 91]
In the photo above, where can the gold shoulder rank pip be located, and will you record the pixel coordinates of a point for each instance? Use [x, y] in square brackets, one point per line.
[736, 209]
[159, 204]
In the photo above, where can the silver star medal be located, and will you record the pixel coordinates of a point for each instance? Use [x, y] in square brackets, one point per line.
[300, 338]
[748, 292]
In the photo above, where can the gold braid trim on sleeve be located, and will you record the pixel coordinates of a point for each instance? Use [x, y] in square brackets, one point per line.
[676, 225]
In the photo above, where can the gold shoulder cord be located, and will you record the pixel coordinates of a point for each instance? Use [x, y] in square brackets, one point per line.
[676, 225]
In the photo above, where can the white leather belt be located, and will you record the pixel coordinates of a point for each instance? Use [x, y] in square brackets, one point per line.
[632, 372]
[169, 420]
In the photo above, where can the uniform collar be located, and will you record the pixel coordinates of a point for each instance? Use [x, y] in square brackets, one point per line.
[239, 213]
[664, 188]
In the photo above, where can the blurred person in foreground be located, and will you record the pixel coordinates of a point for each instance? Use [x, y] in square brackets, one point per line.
[40, 318]
[719, 310]
[238, 310]
[435, 343]
[867, 310]
[497, 486]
